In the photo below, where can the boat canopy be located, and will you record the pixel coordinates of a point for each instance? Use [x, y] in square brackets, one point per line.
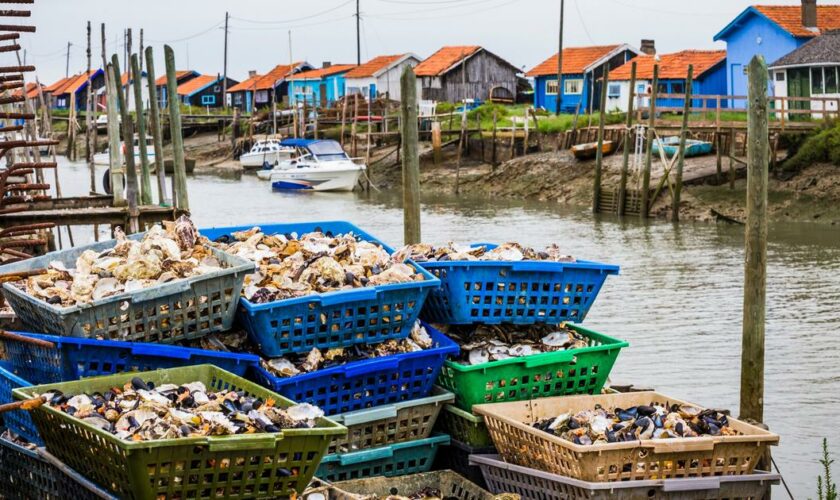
[323, 149]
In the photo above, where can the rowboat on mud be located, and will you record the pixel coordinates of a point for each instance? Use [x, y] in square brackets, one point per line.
[590, 150]
[671, 146]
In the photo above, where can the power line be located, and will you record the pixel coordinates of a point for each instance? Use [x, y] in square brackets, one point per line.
[285, 28]
[294, 20]
[190, 37]
[583, 24]
[396, 15]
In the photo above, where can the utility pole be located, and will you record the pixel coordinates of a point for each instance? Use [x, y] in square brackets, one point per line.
[560, 61]
[67, 65]
[358, 38]
[224, 81]
[127, 66]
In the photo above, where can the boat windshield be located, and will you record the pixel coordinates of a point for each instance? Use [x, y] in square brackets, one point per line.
[327, 151]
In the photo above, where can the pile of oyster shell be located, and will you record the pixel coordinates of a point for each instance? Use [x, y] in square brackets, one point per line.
[654, 421]
[289, 366]
[424, 252]
[483, 343]
[291, 266]
[141, 411]
[165, 253]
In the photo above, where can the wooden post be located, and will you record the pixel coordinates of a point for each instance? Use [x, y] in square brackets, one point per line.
[480, 134]
[512, 138]
[649, 144]
[128, 136]
[343, 117]
[180, 172]
[493, 147]
[599, 155]
[732, 145]
[410, 158]
[72, 128]
[683, 133]
[717, 113]
[625, 160]
[527, 127]
[90, 133]
[114, 149]
[755, 261]
[462, 139]
[718, 154]
[354, 125]
[436, 142]
[145, 176]
[154, 123]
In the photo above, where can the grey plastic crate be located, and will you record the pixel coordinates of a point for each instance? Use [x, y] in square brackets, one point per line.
[531, 484]
[178, 310]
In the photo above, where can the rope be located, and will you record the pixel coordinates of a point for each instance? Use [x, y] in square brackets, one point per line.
[784, 483]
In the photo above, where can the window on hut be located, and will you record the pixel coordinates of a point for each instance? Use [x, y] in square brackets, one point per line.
[662, 88]
[573, 87]
[780, 76]
[614, 90]
[817, 81]
[831, 86]
[678, 87]
[551, 87]
[208, 100]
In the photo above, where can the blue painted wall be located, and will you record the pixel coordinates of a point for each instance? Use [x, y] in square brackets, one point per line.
[713, 82]
[313, 87]
[742, 44]
[570, 102]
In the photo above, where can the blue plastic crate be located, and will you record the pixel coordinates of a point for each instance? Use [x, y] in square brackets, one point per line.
[368, 383]
[75, 358]
[398, 459]
[18, 421]
[364, 315]
[522, 292]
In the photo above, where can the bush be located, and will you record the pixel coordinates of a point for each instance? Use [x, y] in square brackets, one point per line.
[826, 487]
[822, 147]
[444, 107]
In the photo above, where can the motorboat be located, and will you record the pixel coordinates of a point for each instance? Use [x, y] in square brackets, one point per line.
[322, 165]
[265, 153]
[104, 158]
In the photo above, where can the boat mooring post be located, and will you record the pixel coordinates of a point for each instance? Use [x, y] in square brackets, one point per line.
[628, 132]
[145, 175]
[180, 172]
[599, 154]
[410, 158]
[128, 142]
[645, 209]
[683, 133]
[115, 154]
[154, 123]
[755, 247]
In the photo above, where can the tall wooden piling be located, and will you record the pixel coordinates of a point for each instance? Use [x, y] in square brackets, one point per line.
[462, 140]
[755, 258]
[645, 209]
[114, 149]
[628, 124]
[128, 136]
[675, 212]
[493, 147]
[599, 155]
[90, 131]
[410, 157]
[436, 142]
[145, 174]
[154, 123]
[180, 172]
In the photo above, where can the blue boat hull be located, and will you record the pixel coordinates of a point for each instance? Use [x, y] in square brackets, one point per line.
[692, 147]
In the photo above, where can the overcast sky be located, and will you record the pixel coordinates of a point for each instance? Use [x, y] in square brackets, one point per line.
[522, 31]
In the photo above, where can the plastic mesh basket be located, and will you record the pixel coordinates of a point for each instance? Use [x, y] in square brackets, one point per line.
[242, 465]
[450, 484]
[560, 373]
[531, 484]
[465, 427]
[389, 424]
[387, 461]
[178, 310]
[72, 358]
[364, 315]
[520, 443]
[18, 421]
[456, 457]
[522, 292]
[369, 383]
[25, 474]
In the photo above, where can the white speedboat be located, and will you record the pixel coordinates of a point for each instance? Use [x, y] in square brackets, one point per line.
[322, 166]
[268, 152]
[104, 158]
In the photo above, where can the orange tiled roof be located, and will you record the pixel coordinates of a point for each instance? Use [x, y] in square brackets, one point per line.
[161, 80]
[670, 65]
[789, 17]
[69, 84]
[249, 84]
[31, 91]
[196, 83]
[444, 59]
[279, 72]
[59, 84]
[575, 60]
[316, 74]
[371, 67]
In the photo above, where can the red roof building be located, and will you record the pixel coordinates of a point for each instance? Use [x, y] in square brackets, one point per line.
[380, 76]
[459, 72]
[258, 88]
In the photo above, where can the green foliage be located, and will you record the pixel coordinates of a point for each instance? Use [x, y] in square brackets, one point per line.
[445, 107]
[821, 147]
[486, 110]
[826, 488]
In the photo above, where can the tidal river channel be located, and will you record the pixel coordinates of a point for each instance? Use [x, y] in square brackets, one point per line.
[678, 299]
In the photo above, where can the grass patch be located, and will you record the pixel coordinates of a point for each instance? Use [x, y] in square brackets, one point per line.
[821, 147]
[548, 123]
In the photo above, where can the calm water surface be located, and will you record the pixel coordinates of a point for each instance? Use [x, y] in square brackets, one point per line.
[678, 299]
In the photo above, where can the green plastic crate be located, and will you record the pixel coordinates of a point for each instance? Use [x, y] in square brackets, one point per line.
[238, 466]
[393, 460]
[561, 373]
[464, 427]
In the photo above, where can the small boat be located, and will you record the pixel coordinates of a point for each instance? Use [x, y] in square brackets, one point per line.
[104, 158]
[322, 166]
[671, 146]
[590, 150]
[267, 152]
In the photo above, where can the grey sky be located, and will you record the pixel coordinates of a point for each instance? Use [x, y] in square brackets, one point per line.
[522, 31]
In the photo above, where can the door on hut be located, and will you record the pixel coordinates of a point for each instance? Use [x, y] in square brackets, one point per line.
[322, 91]
[799, 85]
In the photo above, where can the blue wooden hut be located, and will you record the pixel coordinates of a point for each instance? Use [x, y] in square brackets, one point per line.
[319, 87]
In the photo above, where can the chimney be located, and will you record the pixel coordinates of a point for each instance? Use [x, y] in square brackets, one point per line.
[252, 73]
[648, 47]
[326, 64]
[809, 14]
